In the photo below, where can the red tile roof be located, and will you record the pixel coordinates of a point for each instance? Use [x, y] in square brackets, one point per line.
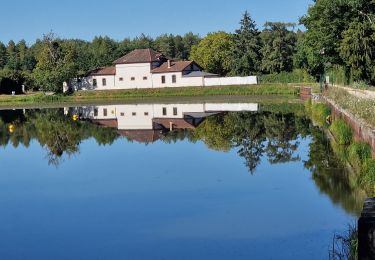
[178, 123]
[140, 56]
[176, 66]
[141, 136]
[111, 123]
[103, 71]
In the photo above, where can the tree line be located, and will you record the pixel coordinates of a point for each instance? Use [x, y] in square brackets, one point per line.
[50, 61]
[339, 34]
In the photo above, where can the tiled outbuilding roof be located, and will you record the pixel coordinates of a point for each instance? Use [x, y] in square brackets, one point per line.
[103, 71]
[140, 56]
[141, 136]
[176, 66]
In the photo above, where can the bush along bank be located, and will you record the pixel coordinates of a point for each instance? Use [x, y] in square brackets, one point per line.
[356, 153]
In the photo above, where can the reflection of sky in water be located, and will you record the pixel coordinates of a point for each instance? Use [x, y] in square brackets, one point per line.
[161, 201]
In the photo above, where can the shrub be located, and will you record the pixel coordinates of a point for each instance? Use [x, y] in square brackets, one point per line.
[319, 113]
[358, 154]
[367, 178]
[296, 76]
[342, 132]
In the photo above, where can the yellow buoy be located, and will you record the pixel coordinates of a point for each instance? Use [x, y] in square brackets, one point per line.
[11, 128]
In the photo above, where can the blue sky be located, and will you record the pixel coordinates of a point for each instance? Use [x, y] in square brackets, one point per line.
[29, 20]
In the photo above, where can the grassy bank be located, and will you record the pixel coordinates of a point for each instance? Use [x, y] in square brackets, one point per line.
[118, 95]
[360, 107]
[357, 154]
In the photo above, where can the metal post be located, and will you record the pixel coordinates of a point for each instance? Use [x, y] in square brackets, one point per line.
[366, 231]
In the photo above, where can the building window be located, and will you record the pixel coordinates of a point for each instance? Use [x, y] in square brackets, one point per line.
[144, 78]
[174, 79]
[162, 79]
[175, 111]
[105, 112]
[95, 112]
[146, 113]
[121, 79]
[94, 83]
[164, 111]
[134, 114]
[132, 78]
[122, 114]
[104, 82]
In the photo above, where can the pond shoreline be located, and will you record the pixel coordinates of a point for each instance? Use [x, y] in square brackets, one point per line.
[111, 96]
[362, 130]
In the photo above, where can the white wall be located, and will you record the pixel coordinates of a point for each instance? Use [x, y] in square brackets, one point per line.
[135, 117]
[137, 71]
[180, 80]
[231, 107]
[87, 83]
[141, 70]
[181, 109]
[228, 81]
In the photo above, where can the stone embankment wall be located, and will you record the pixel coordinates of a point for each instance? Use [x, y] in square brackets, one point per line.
[361, 131]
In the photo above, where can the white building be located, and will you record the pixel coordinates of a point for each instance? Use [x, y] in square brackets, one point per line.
[147, 122]
[146, 68]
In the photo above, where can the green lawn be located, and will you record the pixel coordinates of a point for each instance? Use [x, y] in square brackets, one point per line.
[118, 95]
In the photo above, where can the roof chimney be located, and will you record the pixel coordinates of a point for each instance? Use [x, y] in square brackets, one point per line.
[169, 64]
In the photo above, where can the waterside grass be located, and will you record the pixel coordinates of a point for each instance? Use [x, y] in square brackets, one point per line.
[356, 154]
[342, 132]
[117, 95]
[363, 108]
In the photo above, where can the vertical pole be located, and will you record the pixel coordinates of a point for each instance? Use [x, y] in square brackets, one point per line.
[366, 231]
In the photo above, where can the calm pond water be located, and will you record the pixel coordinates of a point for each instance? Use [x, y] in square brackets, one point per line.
[170, 181]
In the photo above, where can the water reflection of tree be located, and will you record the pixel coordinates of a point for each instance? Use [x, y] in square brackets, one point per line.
[331, 176]
[59, 134]
[254, 135]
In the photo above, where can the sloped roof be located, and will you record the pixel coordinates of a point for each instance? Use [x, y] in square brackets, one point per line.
[141, 136]
[103, 71]
[200, 74]
[178, 123]
[176, 66]
[110, 123]
[139, 56]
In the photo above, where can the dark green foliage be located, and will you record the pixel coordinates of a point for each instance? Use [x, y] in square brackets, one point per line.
[278, 47]
[342, 132]
[358, 154]
[341, 32]
[296, 76]
[247, 45]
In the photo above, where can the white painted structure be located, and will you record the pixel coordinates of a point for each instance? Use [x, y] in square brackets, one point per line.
[145, 68]
[251, 80]
[141, 116]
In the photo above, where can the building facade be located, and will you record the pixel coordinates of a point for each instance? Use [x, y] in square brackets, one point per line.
[146, 68]
[147, 122]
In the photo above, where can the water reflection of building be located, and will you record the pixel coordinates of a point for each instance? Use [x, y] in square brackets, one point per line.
[149, 122]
